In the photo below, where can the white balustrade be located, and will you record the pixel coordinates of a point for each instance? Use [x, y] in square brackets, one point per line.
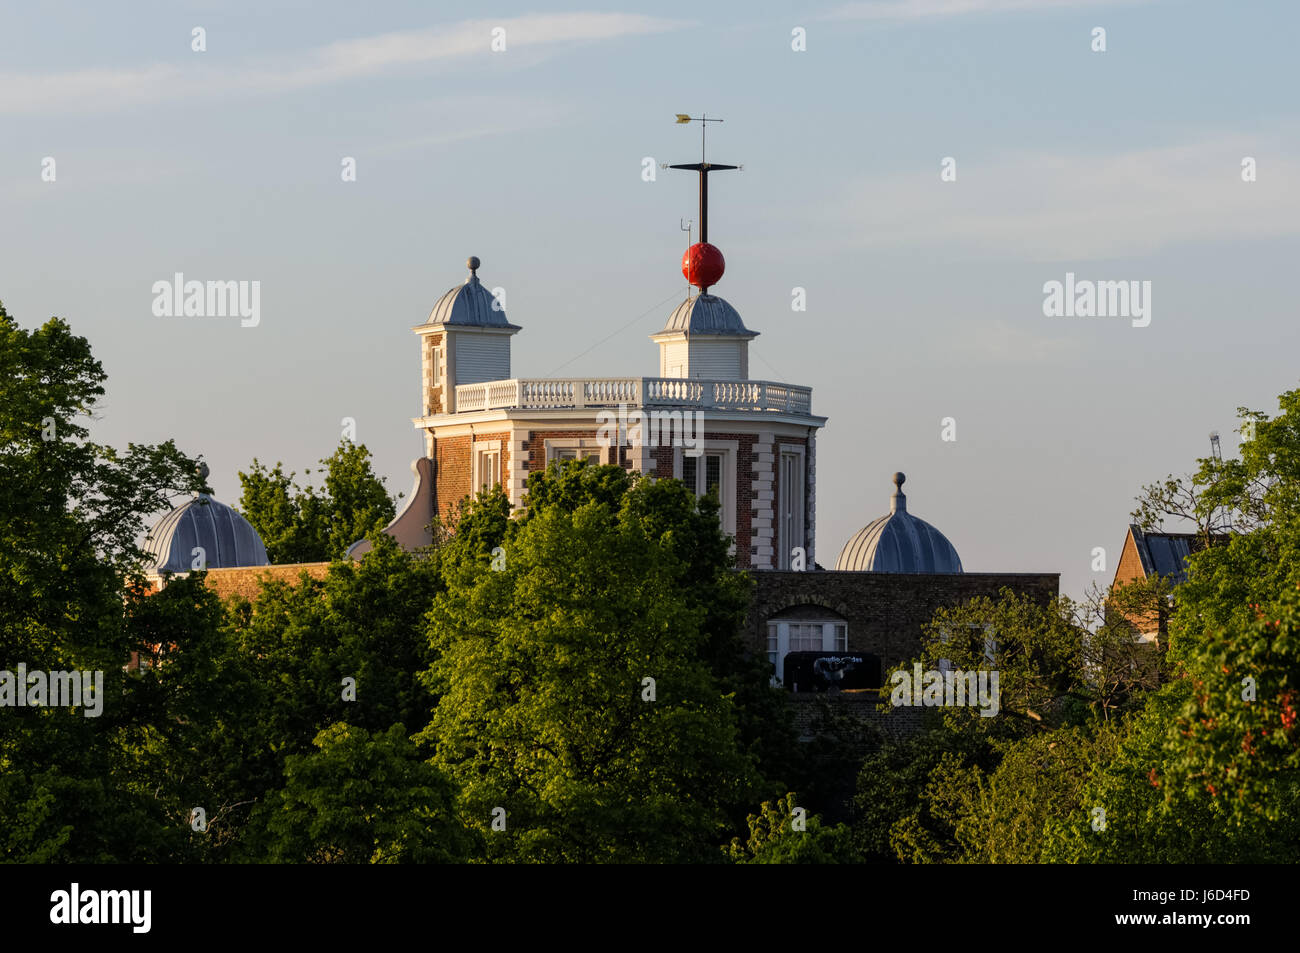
[602, 392]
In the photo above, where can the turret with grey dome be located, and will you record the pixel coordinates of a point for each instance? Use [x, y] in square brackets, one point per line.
[899, 542]
[470, 305]
[704, 337]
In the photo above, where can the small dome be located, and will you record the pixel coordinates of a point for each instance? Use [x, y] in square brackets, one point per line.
[899, 542]
[707, 314]
[227, 539]
[469, 305]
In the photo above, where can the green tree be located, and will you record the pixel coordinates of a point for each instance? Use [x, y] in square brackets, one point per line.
[1235, 627]
[301, 524]
[1005, 817]
[366, 798]
[780, 834]
[895, 816]
[541, 667]
[71, 511]
[1148, 820]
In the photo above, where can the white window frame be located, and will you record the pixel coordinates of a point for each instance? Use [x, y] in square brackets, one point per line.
[583, 446]
[478, 479]
[787, 539]
[729, 451]
[835, 638]
[435, 365]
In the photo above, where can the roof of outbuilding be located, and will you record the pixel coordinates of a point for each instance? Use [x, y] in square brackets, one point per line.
[1165, 554]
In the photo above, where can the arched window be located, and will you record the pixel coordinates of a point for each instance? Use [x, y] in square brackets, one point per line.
[806, 628]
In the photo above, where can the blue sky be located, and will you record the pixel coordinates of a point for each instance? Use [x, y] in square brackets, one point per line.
[924, 297]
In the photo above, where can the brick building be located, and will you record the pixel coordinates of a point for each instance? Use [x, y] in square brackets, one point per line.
[702, 420]
[1146, 555]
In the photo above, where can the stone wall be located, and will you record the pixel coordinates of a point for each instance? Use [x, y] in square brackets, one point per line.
[810, 709]
[885, 611]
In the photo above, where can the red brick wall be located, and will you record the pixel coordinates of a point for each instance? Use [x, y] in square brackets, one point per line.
[810, 708]
[1129, 569]
[246, 581]
[885, 611]
[1130, 564]
[451, 472]
[453, 467]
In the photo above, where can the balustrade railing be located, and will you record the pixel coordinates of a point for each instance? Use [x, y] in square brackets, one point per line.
[601, 392]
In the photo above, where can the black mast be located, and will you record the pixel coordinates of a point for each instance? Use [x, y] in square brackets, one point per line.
[703, 168]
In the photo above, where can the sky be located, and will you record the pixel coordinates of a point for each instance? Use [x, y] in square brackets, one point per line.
[924, 291]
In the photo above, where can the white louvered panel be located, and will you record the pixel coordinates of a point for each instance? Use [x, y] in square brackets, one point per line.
[482, 357]
[672, 359]
[717, 360]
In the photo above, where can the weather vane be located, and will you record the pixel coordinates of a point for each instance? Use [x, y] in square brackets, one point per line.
[703, 167]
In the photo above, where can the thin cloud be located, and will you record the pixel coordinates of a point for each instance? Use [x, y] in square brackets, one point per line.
[96, 90]
[1054, 207]
[938, 9]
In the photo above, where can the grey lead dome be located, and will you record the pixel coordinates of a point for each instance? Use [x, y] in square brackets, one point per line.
[228, 540]
[899, 542]
[707, 314]
[469, 305]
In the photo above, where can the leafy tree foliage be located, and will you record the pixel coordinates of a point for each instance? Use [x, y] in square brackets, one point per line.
[776, 838]
[366, 798]
[541, 667]
[71, 511]
[300, 524]
[1235, 631]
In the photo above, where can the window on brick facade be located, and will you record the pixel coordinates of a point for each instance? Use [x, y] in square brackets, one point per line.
[487, 466]
[713, 468]
[576, 448]
[574, 453]
[789, 506]
[803, 635]
[435, 371]
[704, 472]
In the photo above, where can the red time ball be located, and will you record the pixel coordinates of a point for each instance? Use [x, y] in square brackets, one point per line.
[703, 264]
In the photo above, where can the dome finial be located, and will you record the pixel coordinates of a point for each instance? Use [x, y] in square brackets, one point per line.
[472, 262]
[898, 503]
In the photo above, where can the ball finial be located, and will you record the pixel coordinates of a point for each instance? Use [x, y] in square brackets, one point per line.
[203, 471]
[900, 479]
[472, 262]
[703, 265]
